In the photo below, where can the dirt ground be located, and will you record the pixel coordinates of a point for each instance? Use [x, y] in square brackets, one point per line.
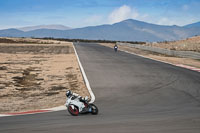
[36, 76]
[174, 60]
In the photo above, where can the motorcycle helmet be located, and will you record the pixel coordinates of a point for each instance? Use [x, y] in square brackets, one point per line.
[68, 93]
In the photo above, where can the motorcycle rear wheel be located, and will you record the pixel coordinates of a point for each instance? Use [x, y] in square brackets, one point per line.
[75, 111]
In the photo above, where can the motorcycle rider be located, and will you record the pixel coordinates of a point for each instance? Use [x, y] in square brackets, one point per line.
[77, 105]
[115, 47]
[69, 94]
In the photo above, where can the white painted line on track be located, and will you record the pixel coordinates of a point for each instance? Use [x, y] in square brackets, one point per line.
[188, 67]
[59, 108]
[2, 115]
[85, 78]
[25, 113]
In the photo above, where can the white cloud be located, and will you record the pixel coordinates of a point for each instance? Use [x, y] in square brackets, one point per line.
[122, 13]
[126, 12]
[119, 14]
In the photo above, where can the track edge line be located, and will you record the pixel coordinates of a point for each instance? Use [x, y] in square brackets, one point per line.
[85, 77]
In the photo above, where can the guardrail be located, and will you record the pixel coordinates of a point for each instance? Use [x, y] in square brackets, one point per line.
[184, 54]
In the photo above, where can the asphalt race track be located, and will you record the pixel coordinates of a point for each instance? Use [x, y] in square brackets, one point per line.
[133, 94]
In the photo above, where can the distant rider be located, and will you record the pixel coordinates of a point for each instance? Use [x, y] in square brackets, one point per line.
[115, 48]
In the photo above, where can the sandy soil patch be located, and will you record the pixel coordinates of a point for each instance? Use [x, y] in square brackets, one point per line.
[36, 76]
[174, 60]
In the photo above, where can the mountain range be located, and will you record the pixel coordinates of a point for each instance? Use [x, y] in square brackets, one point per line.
[53, 26]
[127, 30]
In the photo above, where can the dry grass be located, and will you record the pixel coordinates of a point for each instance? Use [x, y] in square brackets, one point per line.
[36, 76]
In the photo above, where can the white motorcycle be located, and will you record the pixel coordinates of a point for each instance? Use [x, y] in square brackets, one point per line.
[77, 105]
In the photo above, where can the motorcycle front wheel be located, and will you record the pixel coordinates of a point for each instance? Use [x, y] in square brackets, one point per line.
[73, 110]
[94, 109]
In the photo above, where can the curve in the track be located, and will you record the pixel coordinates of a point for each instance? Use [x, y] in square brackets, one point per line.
[133, 94]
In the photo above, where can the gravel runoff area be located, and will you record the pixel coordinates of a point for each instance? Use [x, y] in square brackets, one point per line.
[170, 59]
[36, 75]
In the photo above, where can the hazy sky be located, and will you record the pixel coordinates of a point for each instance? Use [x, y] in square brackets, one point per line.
[80, 13]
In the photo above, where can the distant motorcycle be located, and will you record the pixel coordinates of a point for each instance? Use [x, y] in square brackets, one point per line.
[77, 105]
[115, 48]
